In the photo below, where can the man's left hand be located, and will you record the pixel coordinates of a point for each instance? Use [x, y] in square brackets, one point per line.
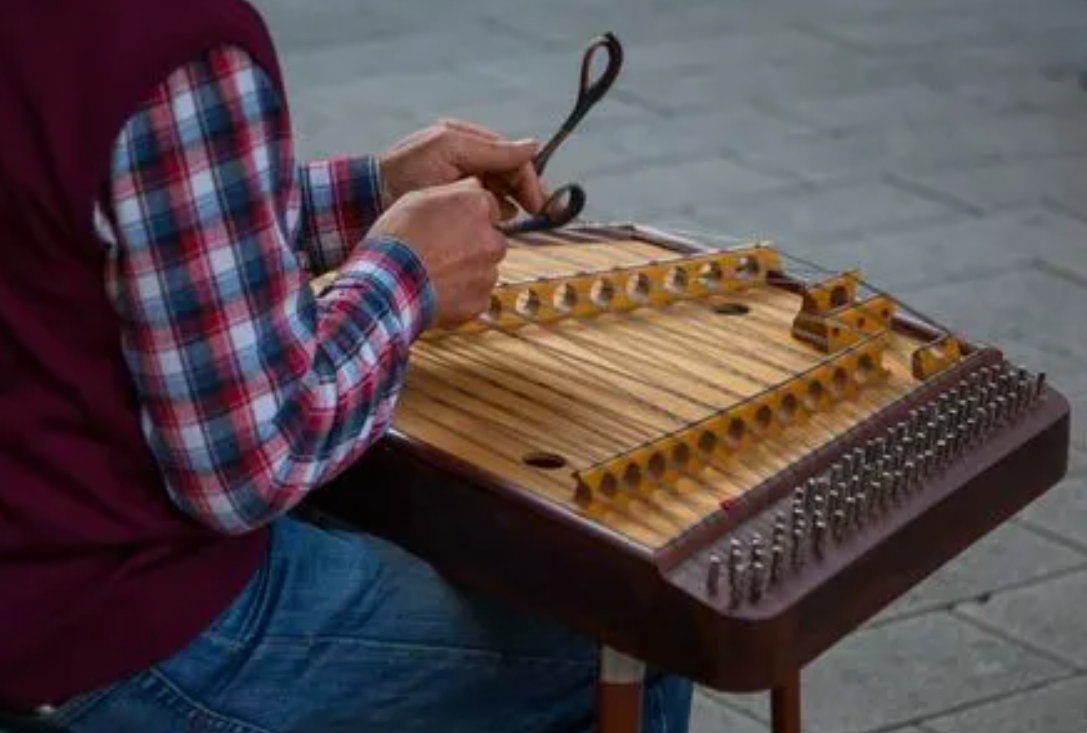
[451, 150]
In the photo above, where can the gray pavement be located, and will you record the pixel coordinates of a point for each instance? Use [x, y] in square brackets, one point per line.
[940, 145]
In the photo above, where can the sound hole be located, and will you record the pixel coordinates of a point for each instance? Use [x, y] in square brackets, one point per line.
[763, 418]
[839, 296]
[707, 443]
[494, 311]
[602, 292]
[528, 304]
[731, 309]
[840, 380]
[865, 367]
[638, 287]
[788, 409]
[748, 267]
[677, 280]
[565, 298]
[632, 476]
[736, 431]
[681, 454]
[815, 394]
[544, 460]
[710, 275]
[658, 464]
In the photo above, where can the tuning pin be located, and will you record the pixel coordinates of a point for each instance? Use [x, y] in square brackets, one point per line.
[755, 543]
[838, 524]
[758, 580]
[797, 554]
[1039, 386]
[777, 563]
[736, 573]
[713, 574]
[779, 528]
[819, 535]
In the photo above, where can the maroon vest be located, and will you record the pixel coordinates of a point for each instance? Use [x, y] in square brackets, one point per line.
[100, 576]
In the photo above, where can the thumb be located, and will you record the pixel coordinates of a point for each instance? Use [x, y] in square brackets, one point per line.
[474, 155]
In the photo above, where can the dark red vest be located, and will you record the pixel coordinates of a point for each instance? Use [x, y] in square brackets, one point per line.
[100, 576]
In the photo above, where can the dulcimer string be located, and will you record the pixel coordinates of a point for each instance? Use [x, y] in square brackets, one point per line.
[608, 385]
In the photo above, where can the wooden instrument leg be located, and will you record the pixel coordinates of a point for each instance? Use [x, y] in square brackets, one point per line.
[785, 705]
[619, 693]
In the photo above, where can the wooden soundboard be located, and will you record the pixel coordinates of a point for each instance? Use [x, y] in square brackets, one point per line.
[583, 461]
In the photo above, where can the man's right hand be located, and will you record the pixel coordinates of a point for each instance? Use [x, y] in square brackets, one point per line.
[452, 230]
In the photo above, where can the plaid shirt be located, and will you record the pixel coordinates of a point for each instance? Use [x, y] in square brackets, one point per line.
[252, 390]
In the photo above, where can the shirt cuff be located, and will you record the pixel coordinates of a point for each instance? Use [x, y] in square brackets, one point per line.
[388, 267]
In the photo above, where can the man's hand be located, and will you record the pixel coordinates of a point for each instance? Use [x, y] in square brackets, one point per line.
[452, 150]
[451, 229]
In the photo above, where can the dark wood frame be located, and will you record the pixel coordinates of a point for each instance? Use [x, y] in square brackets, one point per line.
[552, 562]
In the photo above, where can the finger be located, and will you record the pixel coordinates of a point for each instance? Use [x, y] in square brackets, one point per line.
[469, 128]
[508, 208]
[492, 210]
[475, 156]
[525, 186]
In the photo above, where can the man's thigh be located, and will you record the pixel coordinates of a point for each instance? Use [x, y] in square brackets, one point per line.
[341, 632]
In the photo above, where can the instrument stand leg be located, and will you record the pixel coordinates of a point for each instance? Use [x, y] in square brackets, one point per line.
[619, 693]
[785, 705]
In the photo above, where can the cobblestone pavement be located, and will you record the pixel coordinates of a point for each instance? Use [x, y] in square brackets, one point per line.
[940, 145]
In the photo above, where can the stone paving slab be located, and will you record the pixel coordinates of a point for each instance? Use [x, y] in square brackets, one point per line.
[998, 186]
[1050, 616]
[906, 671]
[820, 215]
[1010, 556]
[709, 715]
[1020, 304]
[1059, 707]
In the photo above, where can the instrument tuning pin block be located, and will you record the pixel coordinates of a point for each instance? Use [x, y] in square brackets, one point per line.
[713, 575]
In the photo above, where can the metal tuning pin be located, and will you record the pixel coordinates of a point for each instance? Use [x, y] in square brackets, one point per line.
[713, 575]
[797, 548]
[755, 589]
[819, 534]
[736, 573]
[777, 563]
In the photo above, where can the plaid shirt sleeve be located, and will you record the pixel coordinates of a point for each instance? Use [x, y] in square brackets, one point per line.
[253, 391]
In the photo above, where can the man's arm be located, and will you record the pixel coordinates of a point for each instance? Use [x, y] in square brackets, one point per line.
[253, 391]
[341, 200]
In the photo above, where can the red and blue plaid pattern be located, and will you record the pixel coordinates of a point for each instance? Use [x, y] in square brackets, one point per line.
[253, 391]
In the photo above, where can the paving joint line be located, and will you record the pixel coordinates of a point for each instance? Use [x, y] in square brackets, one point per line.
[1011, 638]
[1054, 537]
[934, 195]
[1056, 207]
[974, 599]
[975, 703]
[721, 699]
[923, 722]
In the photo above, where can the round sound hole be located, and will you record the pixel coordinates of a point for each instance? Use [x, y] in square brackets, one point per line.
[731, 309]
[544, 460]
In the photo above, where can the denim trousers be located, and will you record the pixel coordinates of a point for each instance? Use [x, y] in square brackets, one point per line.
[344, 633]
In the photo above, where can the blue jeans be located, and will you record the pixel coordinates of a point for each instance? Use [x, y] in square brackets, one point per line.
[341, 632]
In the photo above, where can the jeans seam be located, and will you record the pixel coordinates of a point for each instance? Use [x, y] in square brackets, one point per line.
[468, 655]
[176, 698]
